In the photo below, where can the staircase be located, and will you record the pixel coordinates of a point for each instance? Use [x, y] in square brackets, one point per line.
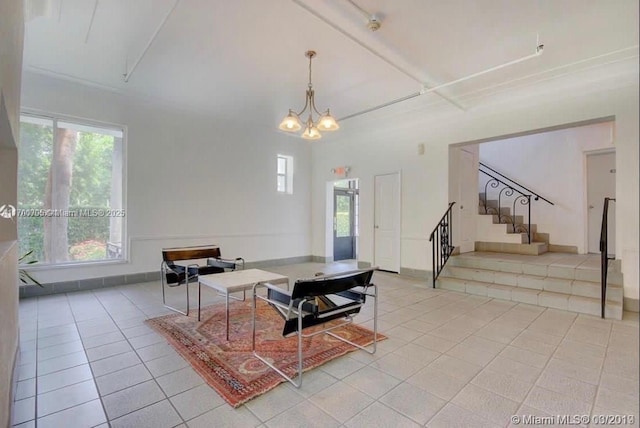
[554, 280]
[506, 232]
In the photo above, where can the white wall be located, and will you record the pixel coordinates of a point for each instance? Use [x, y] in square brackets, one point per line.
[387, 141]
[190, 180]
[551, 164]
[11, 41]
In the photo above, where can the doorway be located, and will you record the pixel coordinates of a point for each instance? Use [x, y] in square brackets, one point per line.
[601, 183]
[345, 219]
[387, 222]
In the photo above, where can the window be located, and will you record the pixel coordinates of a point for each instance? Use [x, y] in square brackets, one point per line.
[70, 190]
[285, 174]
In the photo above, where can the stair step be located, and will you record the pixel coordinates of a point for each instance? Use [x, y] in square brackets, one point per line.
[535, 248]
[524, 280]
[550, 299]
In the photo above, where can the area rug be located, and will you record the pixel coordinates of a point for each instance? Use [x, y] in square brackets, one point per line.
[229, 367]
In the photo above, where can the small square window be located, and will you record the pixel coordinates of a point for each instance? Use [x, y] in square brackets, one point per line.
[285, 174]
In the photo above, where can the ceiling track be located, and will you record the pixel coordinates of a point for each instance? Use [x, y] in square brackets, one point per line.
[375, 53]
[127, 75]
[426, 90]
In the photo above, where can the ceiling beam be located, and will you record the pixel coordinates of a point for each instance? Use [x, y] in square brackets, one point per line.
[375, 53]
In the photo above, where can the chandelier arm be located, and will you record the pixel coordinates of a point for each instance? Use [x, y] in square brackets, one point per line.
[313, 104]
[306, 104]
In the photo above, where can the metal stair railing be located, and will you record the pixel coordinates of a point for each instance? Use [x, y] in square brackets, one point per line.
[441, 239]
[507, 188]
[604, 256]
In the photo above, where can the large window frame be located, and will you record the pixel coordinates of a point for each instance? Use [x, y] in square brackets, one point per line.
[117, 250]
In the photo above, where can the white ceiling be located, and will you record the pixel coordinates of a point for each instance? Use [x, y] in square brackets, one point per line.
[246, 57]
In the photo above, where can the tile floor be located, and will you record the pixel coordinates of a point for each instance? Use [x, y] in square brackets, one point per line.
[451, 359]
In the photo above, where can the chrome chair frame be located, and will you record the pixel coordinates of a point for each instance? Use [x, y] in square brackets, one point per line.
[226, 265]
[291, 311]
[184, 274]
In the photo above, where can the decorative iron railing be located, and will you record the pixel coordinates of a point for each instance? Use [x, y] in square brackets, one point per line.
[441, 243]
[604, 255]
[512, 195]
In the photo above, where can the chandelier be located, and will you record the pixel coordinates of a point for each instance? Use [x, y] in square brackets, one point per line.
[325, 122]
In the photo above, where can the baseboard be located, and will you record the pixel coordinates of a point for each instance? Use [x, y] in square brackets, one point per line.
[631, 305]
[278, 262]
[319, 259]
[32, 290]
[553, 248]
[415, 273]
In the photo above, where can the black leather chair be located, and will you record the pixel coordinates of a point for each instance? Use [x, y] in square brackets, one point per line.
[175, 273]
[317, 301]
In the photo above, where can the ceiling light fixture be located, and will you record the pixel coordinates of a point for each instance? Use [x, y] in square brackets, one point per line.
[325, 122]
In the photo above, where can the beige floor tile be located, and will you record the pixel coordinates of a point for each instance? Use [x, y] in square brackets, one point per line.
[525, 357]
[276, 401]
[196, 401]
[558, 367]
[131, 399]
[579, 390]
[623, 366]
[303, 415]
[452, 416]
[437, 383]
[622, 404]
[513, 368]
[471, 354]
[122, 379]
[342, 367]
[413, 402]
[532, 342]
[556, 404]
[486, 404]
[378, 415]
[416, 353]
[623, 385]
[435, 343]
[312, 382]
[502, 384]
[88, 414]
[67, 397]
[372, 382]
[398, 366]
[499, 332]
[455, 367]
[179, 381]
[223, 417]
[333, 401]
[158, 415]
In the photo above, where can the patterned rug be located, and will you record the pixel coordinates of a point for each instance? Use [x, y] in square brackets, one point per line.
[229, 366]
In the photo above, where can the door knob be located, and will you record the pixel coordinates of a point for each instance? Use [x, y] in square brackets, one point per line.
[591, 207]
[461, 207]
[376, 226]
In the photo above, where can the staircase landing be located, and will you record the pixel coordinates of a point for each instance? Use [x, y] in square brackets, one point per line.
[556, 280]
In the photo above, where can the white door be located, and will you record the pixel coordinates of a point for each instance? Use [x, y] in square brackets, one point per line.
[601, 183]
[467, 200]
[387, 222]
